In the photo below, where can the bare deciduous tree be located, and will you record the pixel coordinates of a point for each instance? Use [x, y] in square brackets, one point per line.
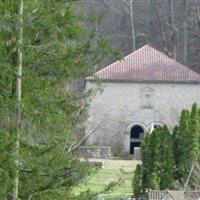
[128, 6]
[185, 34]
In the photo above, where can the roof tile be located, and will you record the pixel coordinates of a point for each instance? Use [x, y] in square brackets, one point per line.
[146, 64]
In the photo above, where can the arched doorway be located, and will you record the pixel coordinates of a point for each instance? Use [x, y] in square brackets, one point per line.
[136, 135]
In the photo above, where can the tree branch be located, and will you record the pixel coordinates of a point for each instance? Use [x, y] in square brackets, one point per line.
[112, 7]
[78, 144]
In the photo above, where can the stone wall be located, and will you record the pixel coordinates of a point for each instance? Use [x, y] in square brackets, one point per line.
[95, 152]
[118, 106]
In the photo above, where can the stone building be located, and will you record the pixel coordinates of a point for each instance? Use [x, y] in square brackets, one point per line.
[145, 89]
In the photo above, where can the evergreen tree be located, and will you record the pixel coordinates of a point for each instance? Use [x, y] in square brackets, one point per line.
[153, 178]
[55, 48]
[137, 182]
[167, 158]
[199, 130]
[6, 163]
[150, 161]
[167, 166]
[193, 145]
[146, 159]
[175, 140]
[186, 143]
[181, 139]
[158, 163]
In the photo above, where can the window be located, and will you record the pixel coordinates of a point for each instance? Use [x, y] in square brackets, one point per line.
[147, 97]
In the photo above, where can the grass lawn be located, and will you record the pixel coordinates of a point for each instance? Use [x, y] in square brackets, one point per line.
[112, 170]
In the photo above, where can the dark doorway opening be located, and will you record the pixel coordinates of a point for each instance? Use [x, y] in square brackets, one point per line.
[136, 135]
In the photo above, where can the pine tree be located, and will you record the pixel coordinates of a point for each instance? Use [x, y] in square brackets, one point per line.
[167, 158]
[167, 163]
[6, 163]
[150, 160]
[199, 131]
[181, 140]
[146, 159]
[175, 140]
[186, 143]
[158, 163]
[137, 183]
[154, 165]
[193, 146]
[56, 48]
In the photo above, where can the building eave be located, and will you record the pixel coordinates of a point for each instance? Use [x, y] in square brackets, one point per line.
[146, 81]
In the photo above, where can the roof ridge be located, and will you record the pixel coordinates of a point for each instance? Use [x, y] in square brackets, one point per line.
[137, 50]
[125, 57]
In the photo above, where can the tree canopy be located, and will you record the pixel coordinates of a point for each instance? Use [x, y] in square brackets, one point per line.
[56, 47]
[171, 160]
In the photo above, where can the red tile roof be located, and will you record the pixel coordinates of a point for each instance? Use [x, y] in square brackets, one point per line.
[147, 64]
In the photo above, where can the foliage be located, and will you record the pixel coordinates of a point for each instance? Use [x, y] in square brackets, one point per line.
[180, 139]
[193, 148]
[137, 181]
[6, 163]
[158, 164]
[57, 49]
[163, 169]
[168, 159]
[186, 143]
[167, 167]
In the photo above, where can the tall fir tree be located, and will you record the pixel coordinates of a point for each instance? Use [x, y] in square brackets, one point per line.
[181, 139]
[186, 143]
[150, 164]
[168, 159]
[153, 177]
[158, 163]
[199, 131]
[56, 49]
[193, 147]
[167, 167]
[137, 182]
[146, 159]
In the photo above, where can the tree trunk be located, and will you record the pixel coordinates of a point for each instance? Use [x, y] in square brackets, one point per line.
[132, 27]
[197, 10]
[175, 35]
[161, 27]
[18, 95]
[185, 33]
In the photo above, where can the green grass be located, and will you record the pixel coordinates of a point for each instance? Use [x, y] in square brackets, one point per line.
[112, 171]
